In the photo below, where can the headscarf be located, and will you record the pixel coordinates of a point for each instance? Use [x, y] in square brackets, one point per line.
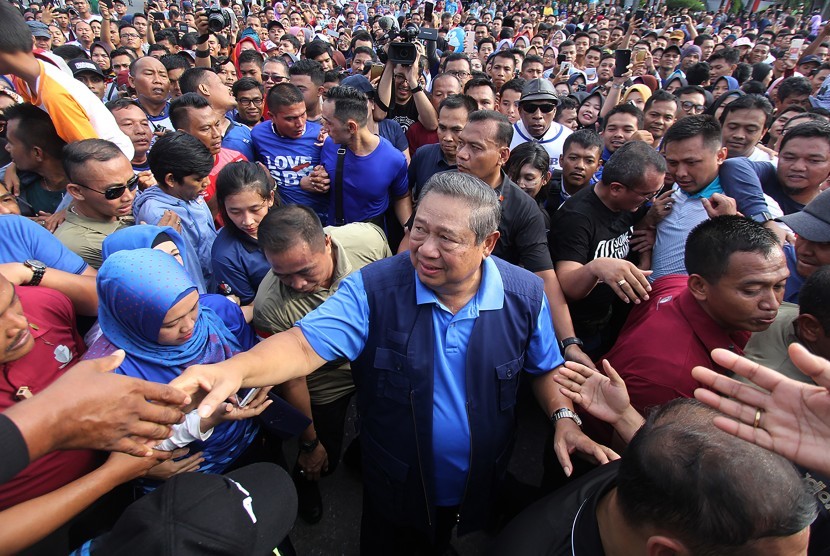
[648, 80]
[504, 43]
[731, 82]
[644, 91]
[683, 81]
[689, 50]
[713, 108]
[144, 236]
[136, 289]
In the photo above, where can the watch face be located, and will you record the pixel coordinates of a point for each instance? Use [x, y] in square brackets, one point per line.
[36, 264]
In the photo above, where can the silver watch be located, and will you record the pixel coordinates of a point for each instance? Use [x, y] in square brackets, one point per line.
[565, 413]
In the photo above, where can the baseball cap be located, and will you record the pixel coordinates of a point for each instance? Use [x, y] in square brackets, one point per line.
[82, 65]
[743, 41]
[359, 82]
[39, 29]
[813, 222]
[539, 89]
[680, 35]
[247, 511]
[672, 47]
[809, 59]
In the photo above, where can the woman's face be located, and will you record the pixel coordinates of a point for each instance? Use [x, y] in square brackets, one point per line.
[100, 57]
[779, 123]
[637, 99]
[726, 102]
[720, 87]
[562, 89]
[170, 248]
[588, 112]
[247, 209]
[673, 86]
[180, 321]
[531, 179]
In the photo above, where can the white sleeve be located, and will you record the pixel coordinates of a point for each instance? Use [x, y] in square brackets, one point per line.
[185, 433]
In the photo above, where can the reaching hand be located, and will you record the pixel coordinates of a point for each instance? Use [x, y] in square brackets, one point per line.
[627, 281]
[791, 418]
[171, 467]
[569, 439]
[604, 397]
[720, 205]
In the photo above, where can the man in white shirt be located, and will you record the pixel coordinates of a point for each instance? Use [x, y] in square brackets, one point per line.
[537, 107]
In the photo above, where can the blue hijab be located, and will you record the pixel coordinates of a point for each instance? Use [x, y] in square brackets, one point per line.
[136, 288]
[143, 236]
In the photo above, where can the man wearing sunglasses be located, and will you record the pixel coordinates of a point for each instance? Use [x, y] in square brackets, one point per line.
[537, 107]
[102, 185]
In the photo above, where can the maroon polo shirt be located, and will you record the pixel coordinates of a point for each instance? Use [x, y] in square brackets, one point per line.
[58, 346]
[663, 340]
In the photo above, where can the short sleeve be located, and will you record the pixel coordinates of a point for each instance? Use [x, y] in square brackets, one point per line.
[400, 184]
[339, 327]
[570, 237]
[45, 247]
[739, 180]
[543, 352]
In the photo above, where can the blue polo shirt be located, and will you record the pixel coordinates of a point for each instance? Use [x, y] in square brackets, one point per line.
[428, 161]
[339, 328]
[239, 262]
[238, 138]
[795, 280]
[23, 239]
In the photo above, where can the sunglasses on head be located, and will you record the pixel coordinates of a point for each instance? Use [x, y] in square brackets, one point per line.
[531, 108]
[116, 191]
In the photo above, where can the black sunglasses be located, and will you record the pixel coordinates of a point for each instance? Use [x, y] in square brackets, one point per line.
[532, 108]
[115, 192]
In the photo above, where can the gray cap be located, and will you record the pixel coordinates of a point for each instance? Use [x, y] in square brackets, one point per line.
[813, 222]
[539, 89]
[39, 29]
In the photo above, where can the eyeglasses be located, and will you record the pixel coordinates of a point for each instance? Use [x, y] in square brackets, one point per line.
[461, 74]
[690, 106]
[130, 36]
[645, 196]
[116, 191]
[532, 108]
[274, 77]
[250, 101]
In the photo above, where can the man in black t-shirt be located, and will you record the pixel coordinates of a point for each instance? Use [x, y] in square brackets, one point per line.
[401, 97]
[589, 242]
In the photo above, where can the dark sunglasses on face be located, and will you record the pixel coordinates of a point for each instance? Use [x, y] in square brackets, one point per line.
[532, 108]
[116, 191]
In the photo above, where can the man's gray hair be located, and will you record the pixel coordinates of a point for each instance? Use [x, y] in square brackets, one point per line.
[485, 211]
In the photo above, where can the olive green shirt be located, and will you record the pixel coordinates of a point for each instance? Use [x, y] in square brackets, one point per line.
[769, 348]
[85, 236]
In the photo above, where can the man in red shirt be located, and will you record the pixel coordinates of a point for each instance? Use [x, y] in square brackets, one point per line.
[735, 285]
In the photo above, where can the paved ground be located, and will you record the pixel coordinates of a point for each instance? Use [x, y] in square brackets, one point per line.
[339, 530]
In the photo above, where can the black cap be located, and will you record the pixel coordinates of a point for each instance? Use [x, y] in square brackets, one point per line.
[82, 65]
[247, 511]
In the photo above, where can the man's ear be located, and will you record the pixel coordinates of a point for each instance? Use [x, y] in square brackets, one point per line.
[698, 286]
[809, 328]
[76, 191]
[170, 181]
[660, 545]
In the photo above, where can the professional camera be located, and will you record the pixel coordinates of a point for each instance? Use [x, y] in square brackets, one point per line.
[405, 52]
[217, 19]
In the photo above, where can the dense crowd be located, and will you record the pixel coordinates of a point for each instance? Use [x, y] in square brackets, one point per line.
[225, 223]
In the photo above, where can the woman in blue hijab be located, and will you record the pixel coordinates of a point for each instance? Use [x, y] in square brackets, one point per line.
[149, 307]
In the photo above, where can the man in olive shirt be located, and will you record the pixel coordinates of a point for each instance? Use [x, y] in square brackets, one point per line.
[308, 262]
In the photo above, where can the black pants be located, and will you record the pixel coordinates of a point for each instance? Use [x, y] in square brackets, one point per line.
[380, 537]
[329, 421]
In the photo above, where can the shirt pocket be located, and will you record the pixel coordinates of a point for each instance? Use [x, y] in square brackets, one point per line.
[393, 382]
[507, 377]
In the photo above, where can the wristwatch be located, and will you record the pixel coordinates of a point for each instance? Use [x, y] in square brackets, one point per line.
[38, 270]
[569, 342]
[762, 217]
[417, 89]
[308, 447]
[565, 413]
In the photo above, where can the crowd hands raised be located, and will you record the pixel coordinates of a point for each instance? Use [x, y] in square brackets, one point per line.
[622, 208]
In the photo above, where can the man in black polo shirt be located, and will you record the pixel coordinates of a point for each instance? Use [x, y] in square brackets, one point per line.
[439, 157]
[650, 501]
[589, 241]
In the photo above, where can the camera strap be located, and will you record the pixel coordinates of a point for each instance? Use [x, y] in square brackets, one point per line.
[339, 218]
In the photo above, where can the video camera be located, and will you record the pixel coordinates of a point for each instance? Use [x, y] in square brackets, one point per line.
[405, 52]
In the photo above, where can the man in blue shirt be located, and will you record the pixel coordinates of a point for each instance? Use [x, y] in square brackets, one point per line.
[287, 146]
[438, 337]
[812, 243]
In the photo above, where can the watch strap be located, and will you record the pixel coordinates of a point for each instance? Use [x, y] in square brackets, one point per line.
[565, 413]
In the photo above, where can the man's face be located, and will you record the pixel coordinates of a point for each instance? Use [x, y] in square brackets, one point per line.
[478, 153]
[692, 164]
[592, 59]
[569, 52]
[484, 96]
[502, 70]
[803, 164]
[8, 202]
[301, 268]
[442, 88]
[706, 48]
[669, 60]
[459, 68]
[44, 43]
[442, 246]
[274, 34]
[795, 100]
[250, 106]
[140, 25]
[290, 121]
[219, 96]
[94, 83]
[618, 130]
[359, 61]
[150, 81]
[581, 44]
[189, 189]
[205, 125]
[742, 130]
[509, 105]
[23, 156]
[325, 60]
[296, 20]
[810, 255]
[818, 79]
[311, 92]
[287, 47]
[451, 122]
[747, 297]
[339, 131]
[579, 164]
[759, 53]
[16, 339]
[99, 176]
[537, 116]
[273, 73]
[534, 70]
[484, 52]
[83, 8]
[691, 104]
[227, 75]
[120, 63]
[660, 117]
[252, 70]
[481, 32]
[606, 70]
[718, 68]
[133, 122]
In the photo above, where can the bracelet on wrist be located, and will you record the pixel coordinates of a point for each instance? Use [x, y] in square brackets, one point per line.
[203, 38]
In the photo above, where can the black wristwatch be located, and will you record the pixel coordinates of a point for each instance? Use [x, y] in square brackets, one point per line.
[308, 447]
[417, 89]
[569, 342]
[38, 270]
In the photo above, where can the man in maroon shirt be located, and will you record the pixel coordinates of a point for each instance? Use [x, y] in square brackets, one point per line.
[735, 285]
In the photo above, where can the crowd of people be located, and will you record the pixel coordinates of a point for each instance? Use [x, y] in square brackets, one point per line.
[226, 223]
